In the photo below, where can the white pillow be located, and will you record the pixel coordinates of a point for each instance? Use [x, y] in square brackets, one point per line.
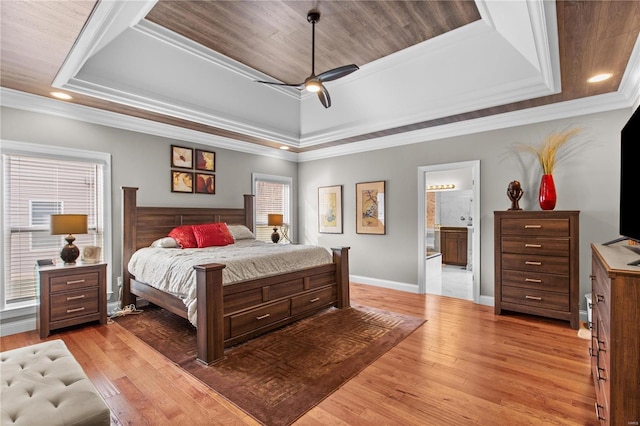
[240, 232]
[166, 242]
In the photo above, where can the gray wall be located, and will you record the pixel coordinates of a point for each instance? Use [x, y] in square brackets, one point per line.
[142, 161]
[588, 181]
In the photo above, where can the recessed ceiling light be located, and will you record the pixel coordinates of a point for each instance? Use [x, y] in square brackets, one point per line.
[61, 95]
[600, 77]
[284, 147]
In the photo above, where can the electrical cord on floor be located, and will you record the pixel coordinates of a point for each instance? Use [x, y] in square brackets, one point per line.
[127, 310]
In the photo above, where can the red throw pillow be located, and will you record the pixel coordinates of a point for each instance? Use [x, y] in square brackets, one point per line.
[227, 234]
[208, 235]
[184, 236]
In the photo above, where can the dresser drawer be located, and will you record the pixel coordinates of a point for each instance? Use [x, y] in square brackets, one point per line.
[536, 298]
[536, 281]
[542, 246]
[255, 318]
[535, 227]
[534, 263]
[74, 304]
[74, 281]
[312, 300]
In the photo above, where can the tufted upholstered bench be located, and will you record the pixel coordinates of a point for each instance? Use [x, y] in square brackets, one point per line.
[43, 384]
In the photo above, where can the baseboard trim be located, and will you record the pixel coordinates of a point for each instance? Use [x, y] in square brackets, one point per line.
[393, 285]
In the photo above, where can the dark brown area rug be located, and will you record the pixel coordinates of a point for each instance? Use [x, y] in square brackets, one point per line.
[278, 377]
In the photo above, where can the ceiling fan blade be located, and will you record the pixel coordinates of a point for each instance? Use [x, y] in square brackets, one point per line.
[324, 97]
[337, 72]
[299, 86]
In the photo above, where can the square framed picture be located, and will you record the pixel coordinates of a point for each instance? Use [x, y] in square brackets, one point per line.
[205, 183]
[370, 208]
[181, 181]
[205, 160]
[181, 157]
[330, 209]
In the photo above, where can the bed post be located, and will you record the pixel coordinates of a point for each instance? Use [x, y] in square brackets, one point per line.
[210, 320]
[341, 259]
[128, 241]
[249, 211]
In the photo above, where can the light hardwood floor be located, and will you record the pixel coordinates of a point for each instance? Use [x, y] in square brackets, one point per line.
[464, 366]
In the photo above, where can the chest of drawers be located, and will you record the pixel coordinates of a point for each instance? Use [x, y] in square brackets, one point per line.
[615, 335]
[71, 295]
[536, 263]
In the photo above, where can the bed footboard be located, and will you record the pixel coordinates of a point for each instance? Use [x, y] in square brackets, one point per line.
[228, 315]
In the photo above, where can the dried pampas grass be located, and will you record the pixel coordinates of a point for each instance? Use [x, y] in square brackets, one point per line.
[547, 152]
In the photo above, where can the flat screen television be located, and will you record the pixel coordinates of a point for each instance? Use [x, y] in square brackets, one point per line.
[630, 178]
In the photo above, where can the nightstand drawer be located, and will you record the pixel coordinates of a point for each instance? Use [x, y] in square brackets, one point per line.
[74, 304]
[74, 281]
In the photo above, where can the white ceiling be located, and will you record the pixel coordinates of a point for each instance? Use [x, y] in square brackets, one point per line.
[508, 56]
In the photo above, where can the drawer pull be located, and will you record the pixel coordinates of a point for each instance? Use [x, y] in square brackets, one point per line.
[599, 298]
[604, 379]
[530, 262]
[75, 297]
[314, 300]
[533, 297]
[532, 226]
[533, 245]
[75, 282]
[598, 407]
[532, 280]
[70, 311]
[261, 317]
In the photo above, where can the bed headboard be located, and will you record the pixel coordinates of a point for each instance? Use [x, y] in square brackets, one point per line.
[143, 225]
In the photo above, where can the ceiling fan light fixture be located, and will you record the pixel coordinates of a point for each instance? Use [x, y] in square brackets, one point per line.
[312, 85]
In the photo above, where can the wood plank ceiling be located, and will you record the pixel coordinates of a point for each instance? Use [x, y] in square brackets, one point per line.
[274, 38]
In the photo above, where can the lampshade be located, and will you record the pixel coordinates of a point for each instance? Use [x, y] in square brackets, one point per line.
[274, 219]
[68, 224]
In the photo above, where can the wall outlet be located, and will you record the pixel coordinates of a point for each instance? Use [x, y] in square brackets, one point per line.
[120, 282]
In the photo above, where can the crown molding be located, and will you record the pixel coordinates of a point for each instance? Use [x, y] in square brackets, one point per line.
[39, 104]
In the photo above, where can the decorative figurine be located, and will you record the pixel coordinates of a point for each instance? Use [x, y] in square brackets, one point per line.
[514, 192]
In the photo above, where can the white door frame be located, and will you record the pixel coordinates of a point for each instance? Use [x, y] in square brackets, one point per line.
[422, 208]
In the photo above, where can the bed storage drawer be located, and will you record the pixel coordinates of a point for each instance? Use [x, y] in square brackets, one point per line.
[255, 318]
[313, 300]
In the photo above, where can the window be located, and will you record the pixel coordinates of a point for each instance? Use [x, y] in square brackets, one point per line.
[273, 195]
[37, 184]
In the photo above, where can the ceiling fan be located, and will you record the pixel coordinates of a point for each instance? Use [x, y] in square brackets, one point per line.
[313, 83]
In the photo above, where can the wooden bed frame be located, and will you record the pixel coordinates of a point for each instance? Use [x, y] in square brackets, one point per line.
[229, 314]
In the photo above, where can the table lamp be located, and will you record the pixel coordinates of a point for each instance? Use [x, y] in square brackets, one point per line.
[69, 224]
[274, 220]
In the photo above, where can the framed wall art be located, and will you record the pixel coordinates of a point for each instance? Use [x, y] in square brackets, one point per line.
[181, 157]
[205, 183]
[370, 208]
[330, 209]
[205, 160]
[181, 181]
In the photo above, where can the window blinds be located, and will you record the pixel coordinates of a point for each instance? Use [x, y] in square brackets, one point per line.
[35, 188]
[271, 197]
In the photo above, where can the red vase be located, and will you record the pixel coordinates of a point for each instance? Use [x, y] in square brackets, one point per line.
[547, 196]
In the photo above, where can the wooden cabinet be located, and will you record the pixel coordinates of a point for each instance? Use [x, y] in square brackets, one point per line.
[536, 263]
[71, 295]
[615, 334]
[453, 245]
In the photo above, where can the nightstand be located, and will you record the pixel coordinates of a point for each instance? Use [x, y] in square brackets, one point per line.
[71, 295]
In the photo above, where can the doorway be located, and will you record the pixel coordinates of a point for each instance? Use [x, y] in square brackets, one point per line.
[449, 229]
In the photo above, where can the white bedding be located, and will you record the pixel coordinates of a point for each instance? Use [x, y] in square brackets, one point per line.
[171, 270]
